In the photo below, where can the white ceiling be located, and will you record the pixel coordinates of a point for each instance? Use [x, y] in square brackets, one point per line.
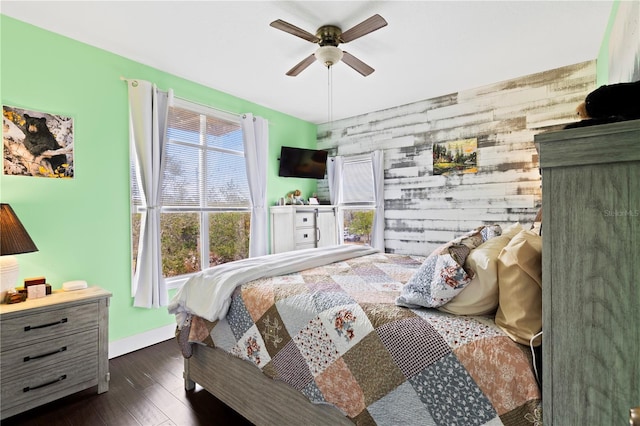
[428, 49]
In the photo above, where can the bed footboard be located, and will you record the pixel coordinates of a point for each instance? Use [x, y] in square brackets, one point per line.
[248, 391]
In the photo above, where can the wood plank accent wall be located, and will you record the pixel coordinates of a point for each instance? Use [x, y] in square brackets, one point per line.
[423, 211]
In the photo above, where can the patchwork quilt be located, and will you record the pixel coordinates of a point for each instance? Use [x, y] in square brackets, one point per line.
[335, 334]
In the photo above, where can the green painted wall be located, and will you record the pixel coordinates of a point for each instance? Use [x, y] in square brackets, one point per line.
[81, 226]
[602, 63]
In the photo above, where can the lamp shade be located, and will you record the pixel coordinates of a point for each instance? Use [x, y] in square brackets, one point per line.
[14, 238]
[328, 55]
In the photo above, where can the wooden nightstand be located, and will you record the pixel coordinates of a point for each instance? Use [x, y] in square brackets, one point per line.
[52, 347]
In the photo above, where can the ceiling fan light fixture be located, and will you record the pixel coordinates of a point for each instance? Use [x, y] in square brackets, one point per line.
[328, 55]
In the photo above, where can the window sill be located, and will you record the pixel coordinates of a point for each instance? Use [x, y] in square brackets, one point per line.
[177, 282]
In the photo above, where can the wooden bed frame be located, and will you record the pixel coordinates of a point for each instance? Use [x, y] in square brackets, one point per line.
[248, 391]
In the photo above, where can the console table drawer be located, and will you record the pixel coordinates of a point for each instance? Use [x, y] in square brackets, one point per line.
[23, 361]
[304, 219]
[45, 325]
[305, 236]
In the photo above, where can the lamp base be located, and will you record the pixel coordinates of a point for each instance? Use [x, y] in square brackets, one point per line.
[9, 272]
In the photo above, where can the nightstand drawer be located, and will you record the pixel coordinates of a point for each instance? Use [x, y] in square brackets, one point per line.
[45, 325]
[48, 384]
[23, 361]
[304, 219]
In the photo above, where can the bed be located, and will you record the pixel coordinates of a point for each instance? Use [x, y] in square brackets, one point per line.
[338, 335]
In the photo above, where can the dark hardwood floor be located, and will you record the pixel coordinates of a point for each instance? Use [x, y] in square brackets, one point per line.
[146, 388]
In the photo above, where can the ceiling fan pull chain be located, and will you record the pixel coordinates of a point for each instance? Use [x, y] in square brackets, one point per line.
[329, 103]
[330, 95]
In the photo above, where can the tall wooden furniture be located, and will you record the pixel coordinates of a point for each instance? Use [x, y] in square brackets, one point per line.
[301, 227]
[591, 273]
[52, 347]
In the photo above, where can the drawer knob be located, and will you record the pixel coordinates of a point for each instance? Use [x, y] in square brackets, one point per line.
[59, 379]
[35, 327]
[57, 351]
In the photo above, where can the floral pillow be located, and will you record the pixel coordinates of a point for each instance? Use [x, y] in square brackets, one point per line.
[442, 275]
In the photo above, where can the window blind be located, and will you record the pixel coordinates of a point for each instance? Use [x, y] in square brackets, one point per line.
[357, 186]
[205, 164]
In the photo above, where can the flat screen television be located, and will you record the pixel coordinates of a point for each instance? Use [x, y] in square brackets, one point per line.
[302, 163]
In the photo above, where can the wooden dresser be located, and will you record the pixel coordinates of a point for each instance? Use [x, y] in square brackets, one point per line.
[52, 347]
[591, 273]
[301, 227]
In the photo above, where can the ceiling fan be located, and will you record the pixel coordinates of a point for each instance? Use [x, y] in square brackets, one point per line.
[329, 37]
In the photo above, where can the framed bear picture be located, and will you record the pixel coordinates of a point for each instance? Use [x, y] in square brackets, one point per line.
[37, 143]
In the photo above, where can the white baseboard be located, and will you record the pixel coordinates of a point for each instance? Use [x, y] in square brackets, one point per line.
[142, 340]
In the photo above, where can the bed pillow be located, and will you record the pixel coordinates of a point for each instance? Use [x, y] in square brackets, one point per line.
[442, 275]
[480, 296]
[519, 312]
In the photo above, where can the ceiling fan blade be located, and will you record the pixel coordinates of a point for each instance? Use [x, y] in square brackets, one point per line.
[292, 29]
[301, 66]
[363, 28]
[356, 64]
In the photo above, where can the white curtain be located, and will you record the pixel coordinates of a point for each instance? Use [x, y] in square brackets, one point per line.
[148, 110]
[377, 233]
[255, 131]
[334, 175]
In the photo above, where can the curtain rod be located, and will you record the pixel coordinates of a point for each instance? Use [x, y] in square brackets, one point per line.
[193, 102]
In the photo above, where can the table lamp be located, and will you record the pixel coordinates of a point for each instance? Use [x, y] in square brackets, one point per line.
[14, 239]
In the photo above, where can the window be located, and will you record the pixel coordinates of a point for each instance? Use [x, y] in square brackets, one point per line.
[205, 202]
[358, 200]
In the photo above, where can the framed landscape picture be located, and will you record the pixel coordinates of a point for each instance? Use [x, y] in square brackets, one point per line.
[455, 157]
[37, 143]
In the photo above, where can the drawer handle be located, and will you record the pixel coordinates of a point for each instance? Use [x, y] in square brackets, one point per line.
[29, 358]
[304, 219]
[59, 379]
[62, 321]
